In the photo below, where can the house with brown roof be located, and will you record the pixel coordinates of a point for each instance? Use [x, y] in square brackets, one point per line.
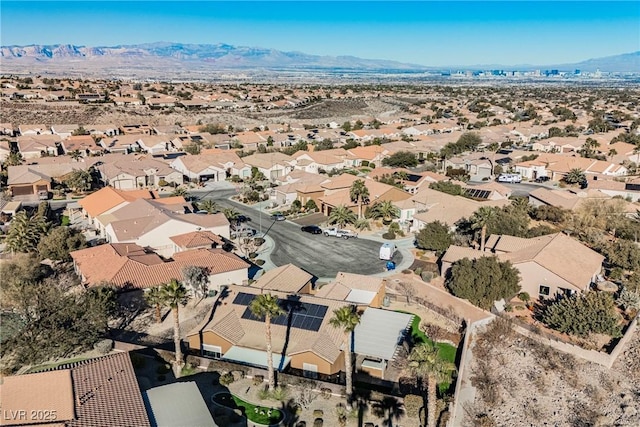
[83, 143]
[316, 161]
[131, 173]
[286, 278]
[378, 192]
[152, 223]
[109, 199]
[303, 341]
[129, 266]
[550, 266]
[91, 393]
[556, 166]
[196, 240]
[5, 149]
[29, 179]
[32, 146]
[273, 165]
[211, 165]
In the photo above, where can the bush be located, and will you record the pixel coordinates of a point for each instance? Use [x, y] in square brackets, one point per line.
[583, 314]
[318, 422]
[407, 271]
[418, 271]
[259, 241]
[326, 392]
[259, 262]
[364, 163]
[226, 379]
[163, 183]
[435, 236]
[389, 235]
[426, 276]
[258, 379]
[103, 346]
[310, 205]
[524, 297]
[412, 405]
[279, 393]
[318, 413]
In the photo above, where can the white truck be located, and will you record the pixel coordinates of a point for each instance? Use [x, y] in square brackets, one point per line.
[339, 232]
[387, 251]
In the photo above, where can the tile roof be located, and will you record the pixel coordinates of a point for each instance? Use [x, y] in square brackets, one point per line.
[433, 205]
[286, 278]
[129, 266]
[92, 393]
[43, 391]
[345, 283]
[196, 239]
[108, 198]
[326, 342]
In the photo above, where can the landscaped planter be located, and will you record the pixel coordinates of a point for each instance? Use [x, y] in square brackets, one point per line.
[256, 415]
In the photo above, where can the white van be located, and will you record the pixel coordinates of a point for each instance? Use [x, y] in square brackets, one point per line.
[509, 177]
[387, 250]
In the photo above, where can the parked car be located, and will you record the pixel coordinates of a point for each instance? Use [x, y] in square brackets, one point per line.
[243, 218]
[338, 232]
[278, 217]
[542, 179]
[313, 229]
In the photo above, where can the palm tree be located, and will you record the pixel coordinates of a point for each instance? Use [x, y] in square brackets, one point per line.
[208, 205]
[385, 210]
[179, 191]
[426, 363]
[232, 215]
[173, 295]
[346, 318]
[75, 155]
[574, 176]
[267, 306]
[362, 224]
[14, 159]
[153, 297]
[25, 232]
[480, 219]
[359, 194]
[342, 215]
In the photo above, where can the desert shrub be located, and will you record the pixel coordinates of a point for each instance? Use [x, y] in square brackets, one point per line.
[163, 183]
[389, 235]
[226, 379]
[407, 271]
[326, 392]
[418, 271]
[524, 297]
[412, 405]
[259, 241]
[263, 393]
[296, 206]
[427, 276]
[259, 262]
[258, 379]
[318, 422]
[103, 346]
[279, 393]
[364, 163]
[318, 413]
[253, 255]
[581, 315]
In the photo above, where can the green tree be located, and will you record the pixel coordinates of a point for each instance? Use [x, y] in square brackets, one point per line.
[583, 314]
[154, 297]
[196, 280]
[174, 294]
[480, 220]
[575, 176]
[425, 362]
[75, 155]
[447, 187]
[346, 318]
[14, 159]
[346, 126]
[483, 281]
[385, 210]
[179, 191]
[401, 159]
[25, 232]
[79, 180]
[359, 193]
[59, 242]
[267, 306]
[208, 205]
[435, 236]
[192, 148]
[310, 205]
[342, 215]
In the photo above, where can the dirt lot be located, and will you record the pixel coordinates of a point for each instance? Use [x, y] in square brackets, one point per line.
[523, 383]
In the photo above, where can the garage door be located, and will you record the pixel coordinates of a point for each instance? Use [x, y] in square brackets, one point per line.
[22, 190]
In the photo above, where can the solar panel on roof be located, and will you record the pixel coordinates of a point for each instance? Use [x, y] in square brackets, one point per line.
[304, 315]
[243, 298]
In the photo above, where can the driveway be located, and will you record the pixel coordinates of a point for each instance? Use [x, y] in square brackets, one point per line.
[321, 256]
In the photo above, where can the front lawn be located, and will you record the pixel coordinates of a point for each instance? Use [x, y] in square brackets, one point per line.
[256, 414]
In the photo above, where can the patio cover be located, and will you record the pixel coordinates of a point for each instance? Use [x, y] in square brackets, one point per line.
[256, 357]
[177, 405]
[379, 332]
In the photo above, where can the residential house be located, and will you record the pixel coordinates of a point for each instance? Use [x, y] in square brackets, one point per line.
[414, 180]
[130, 173]
[556, 166]
[88, 393]
[477, 165]
[152, 223]
[303, 342]
[318, 161]
[64, 131]
[574, 199]
[272, 165]
[5, 149]
[33, 146]
[196, 240]
[286, 278]
[34, 129]
[103, 130]
[217, 165]
[378, 192]
[154, 144]
[109, 199]
[25, 180]
[128, 266]
[629, 189]
[550, 266]
[85, 144]
[121, 143]
[432, 205]
[372, 154]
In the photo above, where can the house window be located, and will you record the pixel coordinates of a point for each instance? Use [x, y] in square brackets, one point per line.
[310, 371]
[544, 290]
[213, 351]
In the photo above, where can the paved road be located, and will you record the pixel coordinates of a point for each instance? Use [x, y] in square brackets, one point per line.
[522, 189]
[319, 255]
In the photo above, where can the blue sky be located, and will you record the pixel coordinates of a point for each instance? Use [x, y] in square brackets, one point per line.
[428, 33]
